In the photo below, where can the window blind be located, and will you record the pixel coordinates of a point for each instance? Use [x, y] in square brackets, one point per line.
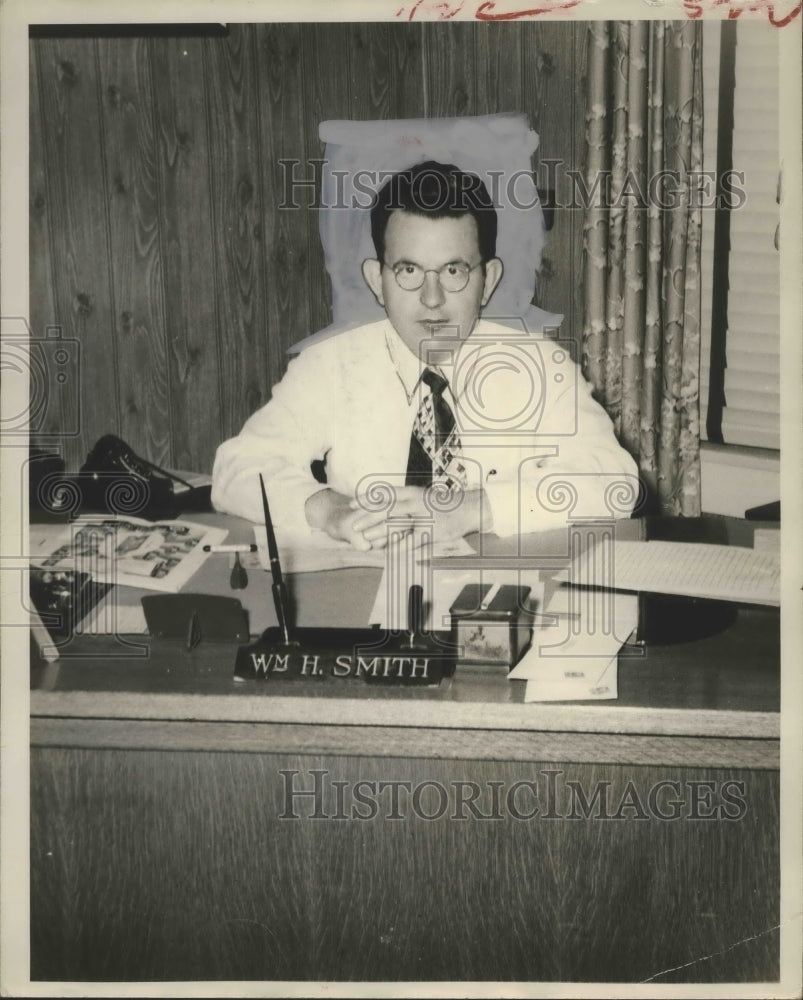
[751, 411]
[711, 47]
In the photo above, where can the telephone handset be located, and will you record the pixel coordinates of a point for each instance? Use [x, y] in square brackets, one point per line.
[114, 479]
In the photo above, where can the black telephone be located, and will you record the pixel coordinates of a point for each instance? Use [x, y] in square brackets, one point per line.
[112, 480]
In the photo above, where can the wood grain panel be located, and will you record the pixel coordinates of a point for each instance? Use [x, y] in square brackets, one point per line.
[406, 71]
[185, 224]
[166, 866]
[280, 80]
[498, 59]
[536, 68]
[76, 195]
[370, 72]
[433, 899]
[687, 900]
[42, 308]
[49, 421]
[136, 265]
[327, 95]
[153, 865]
[549, 86]
[237, 244]
[451, 70]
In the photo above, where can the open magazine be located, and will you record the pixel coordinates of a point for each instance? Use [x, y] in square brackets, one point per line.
[126, 551]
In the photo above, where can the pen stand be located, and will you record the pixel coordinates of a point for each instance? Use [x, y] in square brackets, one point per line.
[375, 656]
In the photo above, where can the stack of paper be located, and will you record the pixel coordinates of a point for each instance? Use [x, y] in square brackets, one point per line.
[574, 658]
[719, 572]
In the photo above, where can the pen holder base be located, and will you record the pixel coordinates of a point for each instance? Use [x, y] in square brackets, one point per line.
[194, 618]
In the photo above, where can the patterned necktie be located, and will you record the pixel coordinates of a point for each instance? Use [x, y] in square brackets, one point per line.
[434, 444]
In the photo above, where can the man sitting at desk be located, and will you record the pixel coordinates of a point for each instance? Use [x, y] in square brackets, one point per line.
[488, 420]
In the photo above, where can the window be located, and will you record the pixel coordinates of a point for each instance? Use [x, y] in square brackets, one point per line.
[740, 356]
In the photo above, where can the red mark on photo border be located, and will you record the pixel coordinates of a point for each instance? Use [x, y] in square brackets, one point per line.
[696, 9]
[485, 11]
[445, 10]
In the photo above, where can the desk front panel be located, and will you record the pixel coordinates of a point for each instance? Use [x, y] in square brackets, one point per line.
[177, 865]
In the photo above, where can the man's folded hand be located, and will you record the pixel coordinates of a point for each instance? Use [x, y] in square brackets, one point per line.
[451, 516]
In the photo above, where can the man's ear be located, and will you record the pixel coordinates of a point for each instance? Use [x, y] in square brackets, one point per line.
[372, 272]
[493, 275]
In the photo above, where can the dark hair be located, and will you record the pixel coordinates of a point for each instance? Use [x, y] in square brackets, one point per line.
[437, 191]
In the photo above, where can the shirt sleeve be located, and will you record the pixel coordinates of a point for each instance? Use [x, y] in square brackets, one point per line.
[589, 476]
[280, 441]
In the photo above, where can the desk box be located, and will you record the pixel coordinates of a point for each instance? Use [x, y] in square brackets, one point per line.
[490, 623]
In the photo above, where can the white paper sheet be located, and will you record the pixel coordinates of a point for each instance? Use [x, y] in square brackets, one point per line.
[316, 552]
[574, 658]
[720, 572]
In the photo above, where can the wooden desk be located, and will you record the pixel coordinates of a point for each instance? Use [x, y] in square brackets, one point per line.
[158, 850]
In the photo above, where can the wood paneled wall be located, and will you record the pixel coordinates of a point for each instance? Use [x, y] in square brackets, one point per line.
[156, 240]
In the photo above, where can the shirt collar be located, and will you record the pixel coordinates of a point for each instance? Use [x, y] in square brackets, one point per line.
[408, 366]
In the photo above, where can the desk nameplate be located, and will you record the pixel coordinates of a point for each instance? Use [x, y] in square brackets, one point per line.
[372, 655]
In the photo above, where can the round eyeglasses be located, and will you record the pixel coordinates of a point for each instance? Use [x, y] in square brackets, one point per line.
[453, 277]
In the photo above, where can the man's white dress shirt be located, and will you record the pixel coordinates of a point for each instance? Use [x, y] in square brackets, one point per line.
[532, 435]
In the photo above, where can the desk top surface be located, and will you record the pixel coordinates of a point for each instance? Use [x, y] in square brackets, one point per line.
[726, 685]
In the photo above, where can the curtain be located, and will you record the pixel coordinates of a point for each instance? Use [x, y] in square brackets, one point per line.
[641, 333]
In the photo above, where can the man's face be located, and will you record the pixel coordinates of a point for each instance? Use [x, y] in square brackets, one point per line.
[430, 310]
